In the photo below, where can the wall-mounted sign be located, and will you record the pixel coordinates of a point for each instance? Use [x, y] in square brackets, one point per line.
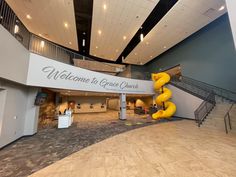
[44, 72]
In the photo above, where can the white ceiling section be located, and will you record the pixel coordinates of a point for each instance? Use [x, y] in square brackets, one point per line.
[184, 19]
[120, 18]
[48, 18]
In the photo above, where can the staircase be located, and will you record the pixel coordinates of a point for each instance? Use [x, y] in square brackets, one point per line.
[215, 117]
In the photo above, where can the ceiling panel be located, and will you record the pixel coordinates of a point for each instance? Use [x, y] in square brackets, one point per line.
[118, 24]
[184, 19]
[48, 18]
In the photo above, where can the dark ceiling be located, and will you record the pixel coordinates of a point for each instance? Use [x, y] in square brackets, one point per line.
[83, 15]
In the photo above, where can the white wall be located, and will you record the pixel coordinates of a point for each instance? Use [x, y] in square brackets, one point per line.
[113, 104]
[14, 58]
[19, 112]
[85, 103]
[186, 103]
[231, 6]
[44, 72]
[3, 94]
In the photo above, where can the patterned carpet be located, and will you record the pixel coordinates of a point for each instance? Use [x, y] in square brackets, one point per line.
[30, 154]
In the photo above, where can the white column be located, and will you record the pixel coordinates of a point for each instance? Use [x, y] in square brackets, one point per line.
[123, 106]
[231, 5]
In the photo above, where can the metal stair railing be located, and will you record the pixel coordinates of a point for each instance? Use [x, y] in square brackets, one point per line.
[227, 115]
[205, 108]
[223, 93]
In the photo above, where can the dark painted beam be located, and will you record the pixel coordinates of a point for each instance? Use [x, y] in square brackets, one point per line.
[83, 16]
[155, 16]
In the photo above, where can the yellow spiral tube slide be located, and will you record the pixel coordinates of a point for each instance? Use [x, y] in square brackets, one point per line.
[160, 79]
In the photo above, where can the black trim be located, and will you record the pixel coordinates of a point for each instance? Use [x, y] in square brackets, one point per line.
[155, 16]
[83, 17]
[186, 118]
[178, 65]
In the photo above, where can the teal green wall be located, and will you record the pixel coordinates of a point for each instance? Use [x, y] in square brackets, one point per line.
[208, 55]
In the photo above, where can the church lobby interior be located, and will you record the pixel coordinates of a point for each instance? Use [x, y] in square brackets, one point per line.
[82, 83]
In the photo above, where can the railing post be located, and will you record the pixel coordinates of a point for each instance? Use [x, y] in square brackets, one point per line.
[229, 121]
[226, 130]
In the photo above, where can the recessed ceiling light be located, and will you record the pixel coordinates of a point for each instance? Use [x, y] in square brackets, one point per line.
[221, 8]
[83, 42]
[99, 32]
[66, 25]
[104, 6]
[135, 53]
[95, 55]
[28, 17]
[117, 50]
[40, 34]
[124, 37]
[164, 47]
[96, 47]
[141, 37]
[16, 29]
[70, 43]
[42, 43]
[151, 56]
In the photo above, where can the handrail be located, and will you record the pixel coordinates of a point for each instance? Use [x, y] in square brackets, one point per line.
[227, 115]
[209, 84]
[223, 93]
[205, 107]
[199, 92]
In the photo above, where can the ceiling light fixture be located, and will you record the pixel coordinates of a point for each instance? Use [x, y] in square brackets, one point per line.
[164, 47]
[42, 43]
[141, 37]
[83, 42]
[66, 25]
[70, 43]
[99, 32]
[28, 17]
[221, 8]
[117, 50]
[16, 29]
[40, 34]
[96, 47]
[124, 37]
[104, 6]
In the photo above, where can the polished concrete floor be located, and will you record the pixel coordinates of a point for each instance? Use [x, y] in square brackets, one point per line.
[171, 149]
[50, 144]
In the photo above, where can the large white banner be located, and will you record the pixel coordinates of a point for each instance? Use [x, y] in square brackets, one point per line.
[44, 72]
